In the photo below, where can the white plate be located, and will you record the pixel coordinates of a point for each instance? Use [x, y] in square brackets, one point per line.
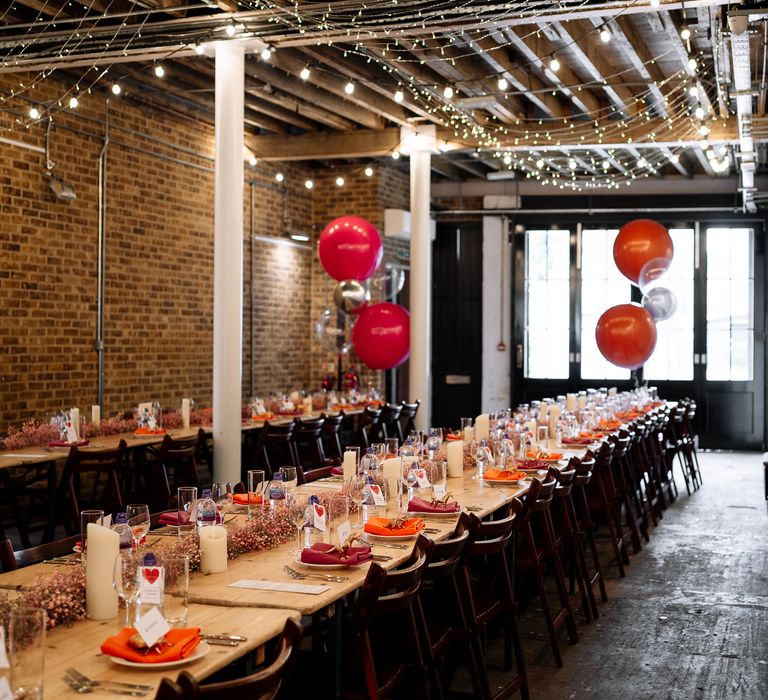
[297, 559]
[200, 651]
[421, 514]
[389, 538]
[504, 482]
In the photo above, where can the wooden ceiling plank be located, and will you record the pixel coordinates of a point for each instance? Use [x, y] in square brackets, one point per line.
[584, 100]
[597, 67]
[363, 142]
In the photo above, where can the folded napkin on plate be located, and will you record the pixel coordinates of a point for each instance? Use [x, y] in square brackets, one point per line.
[242, 498]
[454, 436]
[64, 443]
[322, 553]
[337, 471]
[381, 526]
[172, 518]
[420, 505]
[503, 475]
[545, 455]
[182, 642]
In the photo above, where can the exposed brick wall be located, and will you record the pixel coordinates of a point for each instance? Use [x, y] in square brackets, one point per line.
[159, 274]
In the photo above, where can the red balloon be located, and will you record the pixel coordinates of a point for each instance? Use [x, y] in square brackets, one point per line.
[350, 248]
[638, 242]
[626, 335]
[381, 335]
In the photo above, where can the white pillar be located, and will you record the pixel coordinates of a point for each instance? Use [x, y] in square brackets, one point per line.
[420, 282]
[228, 262]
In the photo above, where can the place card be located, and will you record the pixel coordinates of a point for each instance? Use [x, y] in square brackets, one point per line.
[438, 490]
[344, 530]
[279, 586]
[378, 496]
[152, 626]
[151, 585]
[318, 517]
[420, 477]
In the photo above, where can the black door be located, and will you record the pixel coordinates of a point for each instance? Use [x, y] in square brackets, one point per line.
[457, 312]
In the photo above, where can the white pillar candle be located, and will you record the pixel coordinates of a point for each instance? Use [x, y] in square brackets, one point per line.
[96, 415]
[213, 549]
[554, 414]
[185, 409]
[543, 412]
[612, 391]
[349, 465]
[100, 594]
[482, 426]
[307, 403]
[469, 434]
[455, 459]
[391, 467]
[570, 402]
[74, 417]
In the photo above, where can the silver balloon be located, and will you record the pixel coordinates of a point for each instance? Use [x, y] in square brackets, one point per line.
[330, 334]
[351, 296]
[660, 302]
[388, 282]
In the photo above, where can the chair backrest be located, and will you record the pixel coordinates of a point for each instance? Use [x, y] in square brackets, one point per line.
[274, 441]
[331, 435]
[261, 685]
[307, 445]
[390, 420]
[449, 554]
[408, 418]
[10, 560]
[108, 463]
[563, 480]
[178, 454]
[492, 536]
[169, 690]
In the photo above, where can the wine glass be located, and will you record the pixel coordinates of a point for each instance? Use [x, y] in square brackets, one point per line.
[298, 503]
[138, 521]
[222, 493]
[125, 581]
[358, 494]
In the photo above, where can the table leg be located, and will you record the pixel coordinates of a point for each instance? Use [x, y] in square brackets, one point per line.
[338, 640]
[50, 525]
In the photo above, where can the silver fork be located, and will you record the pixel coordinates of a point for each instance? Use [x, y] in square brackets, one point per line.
[321, 577]
[84, 680]
[86, 688]
[388, 545]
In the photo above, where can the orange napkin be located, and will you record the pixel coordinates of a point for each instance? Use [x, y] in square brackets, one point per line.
[454, 436]
[181, 643]
[380, 526]
[503, 475]
[242, 498]
[545, 455]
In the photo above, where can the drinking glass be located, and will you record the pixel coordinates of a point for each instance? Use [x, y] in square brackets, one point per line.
[298, 503]
[88, 516]
[379, 452]
[466, 423]
[436, 473]
[138, 521]
[176, 590]
[26, 644]
[222, 494]
[257, 483]
[393, 446]
[289, 478]
[542, 437]
[125, 582]
[358, 494]
[393, 493]
[187, 497]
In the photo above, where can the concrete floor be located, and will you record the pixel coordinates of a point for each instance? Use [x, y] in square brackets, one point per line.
[690, 620]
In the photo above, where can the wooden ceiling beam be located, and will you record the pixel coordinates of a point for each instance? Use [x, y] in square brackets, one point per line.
[533, 50]
[597, 67]
[51, 8]
[311, 94]
[676, 162]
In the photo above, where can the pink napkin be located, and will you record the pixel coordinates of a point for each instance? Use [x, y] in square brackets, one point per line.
[172, 518]
[322, 553]
[64, 443]
[419, 505]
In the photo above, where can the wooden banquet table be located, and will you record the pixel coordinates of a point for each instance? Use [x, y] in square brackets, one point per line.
[217, 607]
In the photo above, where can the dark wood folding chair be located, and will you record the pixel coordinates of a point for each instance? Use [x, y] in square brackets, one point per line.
[169, 690]
[175, 465]
[96, 471]
[262, 685]
[383, 649]
[407, 419]
[331, 437]
[489, 595]
[10, 560]
[369, 429]
[390, 421]
[631, 515]
[307, 445]
[274, 448]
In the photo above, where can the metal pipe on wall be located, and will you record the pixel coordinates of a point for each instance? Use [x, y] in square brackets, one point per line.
[101, 260]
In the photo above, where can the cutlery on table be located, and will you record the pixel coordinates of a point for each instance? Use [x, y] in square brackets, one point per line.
[320, 577]
[381, 557]
[431, 530]
[225, 635]
[61, 560]
[388, 545]
[87, 688]
[84, 680]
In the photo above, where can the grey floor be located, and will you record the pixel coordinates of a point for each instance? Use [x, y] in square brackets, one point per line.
[690, 620]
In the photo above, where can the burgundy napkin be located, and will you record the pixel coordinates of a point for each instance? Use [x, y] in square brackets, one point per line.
[172, 518]
[322, 553]
[419, 505]
[64, 443]
[337, 471]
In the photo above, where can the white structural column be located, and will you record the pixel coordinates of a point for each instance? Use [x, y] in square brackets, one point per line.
[228, 262]
[420, 145]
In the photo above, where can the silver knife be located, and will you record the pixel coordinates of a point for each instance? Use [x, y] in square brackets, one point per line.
[226, 636]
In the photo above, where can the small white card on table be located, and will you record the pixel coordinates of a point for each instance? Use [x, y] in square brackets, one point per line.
[152, 626]
[280, 586]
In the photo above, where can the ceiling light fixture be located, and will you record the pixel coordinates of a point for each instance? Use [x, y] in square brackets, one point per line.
[116, 89]
[230, 30]
[34, 112]
[605, 35]
[502, 84]
[447, 92]
[199, 49]
[340, 181]
[368, 171]
[685, 33]
[73, 102]
[395, 155]
[349, 88]
[699, 112]
[309, 184]
[305, 73]
[301, 237]
[399, 96]
[554, 64]
[279, 177]
[266, 54]
[159, 71]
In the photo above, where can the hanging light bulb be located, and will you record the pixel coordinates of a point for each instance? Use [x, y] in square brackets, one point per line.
[34, 112]
[399, 96]
[554, 64]
[507, 159]
[605, 35]
[655, 3]
[674, 158]
[199, 49]
[73, 102]
[502, 84]
[692, 65]
[159, 71]
[693, 91]
[309, 184]
[252, 160]
[540, 163]
[572, 163]
[368, 171]
[305, 73]
[685, 33]
[339, 181]
[349, 88]
[447, 92]
[230, 30]
[266, 54]
[606, 164]
[279, 177]
[642, 162]
[116, 89]
[699, 112]
[704, 130]
[395, 155]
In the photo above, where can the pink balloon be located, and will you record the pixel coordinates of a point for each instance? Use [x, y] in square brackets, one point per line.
[350, 248]
[381, 335]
